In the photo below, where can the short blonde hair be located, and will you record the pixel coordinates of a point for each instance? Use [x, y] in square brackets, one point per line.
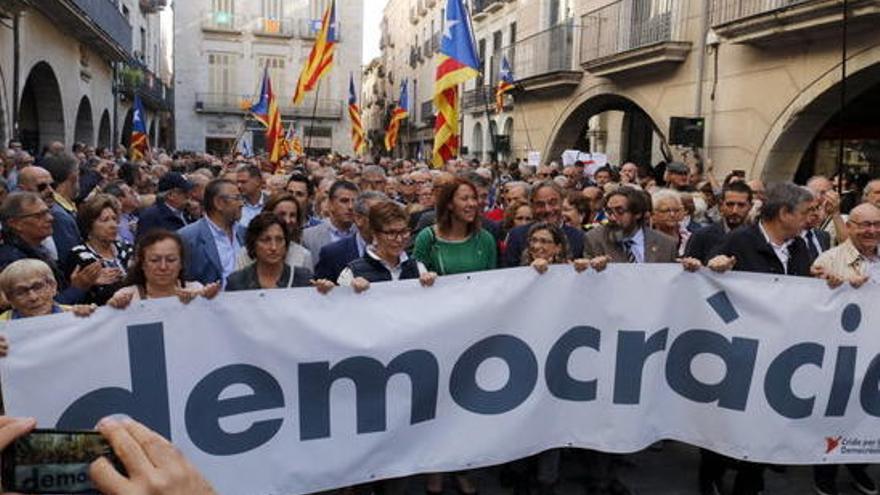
[23, 269]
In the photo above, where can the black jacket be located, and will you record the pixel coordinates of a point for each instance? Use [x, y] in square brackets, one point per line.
[246, 278]
[704, 241]
[754, 254]
[159, 216]
[374, 271]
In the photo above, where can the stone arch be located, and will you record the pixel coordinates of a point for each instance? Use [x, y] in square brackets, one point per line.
[84, 130]
[41, 115]
[569, 131]
[795, 128]
[105, 133]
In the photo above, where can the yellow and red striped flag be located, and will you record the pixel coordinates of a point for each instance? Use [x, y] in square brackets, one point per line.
[321, 57]
[401, 112]
[354, 112]
[458, 62]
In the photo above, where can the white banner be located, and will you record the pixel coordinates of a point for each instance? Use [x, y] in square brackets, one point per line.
[288, 391]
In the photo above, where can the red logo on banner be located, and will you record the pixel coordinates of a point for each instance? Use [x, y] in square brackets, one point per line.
[831, 443]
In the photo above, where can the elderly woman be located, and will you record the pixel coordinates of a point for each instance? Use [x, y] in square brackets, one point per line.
[29, 287]
[667, 214]
[267, 241]
[158, 272]
[385, 260]
[99, 222]
[286, 207]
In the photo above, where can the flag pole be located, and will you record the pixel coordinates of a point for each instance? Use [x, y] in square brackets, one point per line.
[489, 124]
[314, 114]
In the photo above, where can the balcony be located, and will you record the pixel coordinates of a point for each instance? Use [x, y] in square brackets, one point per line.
[138, 79]
[427, 112]
[96, 23]
[546, 60]
[763, 22]
[275, 28]
[230, 103]
[633, 35]
[477, 100]
[220, 21]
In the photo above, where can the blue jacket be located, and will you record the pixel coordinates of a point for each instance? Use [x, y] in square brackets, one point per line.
[335, 257]
[159, 216]
[65, 232]
[201, 255]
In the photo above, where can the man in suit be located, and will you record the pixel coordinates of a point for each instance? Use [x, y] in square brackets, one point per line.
[334, 257]
[168, 211]
[339, 226]
[770, 245]
[626, 238]
[546, 201]
[817, 240]
[734, 207]
[213, 243]
[65, 181]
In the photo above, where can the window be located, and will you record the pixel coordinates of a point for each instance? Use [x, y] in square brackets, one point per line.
[220, 73]
[222, 12]
[273, 13]
[276, 72]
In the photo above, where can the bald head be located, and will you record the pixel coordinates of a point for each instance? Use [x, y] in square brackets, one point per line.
[872, 192]
[37, 180]
[865, 212]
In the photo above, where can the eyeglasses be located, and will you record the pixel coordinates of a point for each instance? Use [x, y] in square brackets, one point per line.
[37, 287]
[36, 214]
[396, 234]
[42, 187]
[866, 225]
[666, 211]
[616, 211]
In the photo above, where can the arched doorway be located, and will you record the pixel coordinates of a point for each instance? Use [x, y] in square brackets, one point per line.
[125, 137]
[84, 131]
[105, 137]
[41, 115]
[611, 124]
[804, 140]
[477, 152]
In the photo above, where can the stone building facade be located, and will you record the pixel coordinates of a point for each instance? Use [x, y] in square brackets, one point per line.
[221, 49]
[71, 67]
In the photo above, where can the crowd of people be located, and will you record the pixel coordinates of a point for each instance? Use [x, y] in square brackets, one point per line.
[88, 227]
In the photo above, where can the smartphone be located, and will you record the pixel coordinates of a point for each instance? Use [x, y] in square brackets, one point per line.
[53, 461]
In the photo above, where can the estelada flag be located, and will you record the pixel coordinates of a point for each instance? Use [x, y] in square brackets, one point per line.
[140, 144]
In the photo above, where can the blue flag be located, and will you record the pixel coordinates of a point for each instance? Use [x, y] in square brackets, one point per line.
[458, 42]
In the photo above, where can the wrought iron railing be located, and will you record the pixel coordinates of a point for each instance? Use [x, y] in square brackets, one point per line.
[629, 24]
[326, 108]
[105, 15]
[724, 11]
[543, 53]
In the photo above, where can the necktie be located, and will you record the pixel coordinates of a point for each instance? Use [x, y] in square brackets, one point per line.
[811, 245]
[628, 250]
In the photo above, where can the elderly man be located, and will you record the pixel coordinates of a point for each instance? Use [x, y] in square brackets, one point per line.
[855, 261]
[373, 178]
[871, 193]
[27, 222]
[829, 204]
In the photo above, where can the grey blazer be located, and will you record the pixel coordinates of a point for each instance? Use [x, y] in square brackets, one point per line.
[659, 247]
[314, 238]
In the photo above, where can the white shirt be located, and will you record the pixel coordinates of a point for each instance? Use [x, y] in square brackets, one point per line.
[781, 250]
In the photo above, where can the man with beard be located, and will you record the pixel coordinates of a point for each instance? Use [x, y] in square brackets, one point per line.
[736, 202]
[626, 238]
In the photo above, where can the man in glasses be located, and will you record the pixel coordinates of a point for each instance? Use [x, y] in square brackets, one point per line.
[214, 242]
[734, 208]
[626, 238]
[27, 223]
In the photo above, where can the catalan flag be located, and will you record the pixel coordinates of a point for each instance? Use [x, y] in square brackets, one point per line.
[260, 109]
[458, 62]
[354, 112]
[274, 130]
[401, 112]
[505, 84]
[321, 58]
[140, 144]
